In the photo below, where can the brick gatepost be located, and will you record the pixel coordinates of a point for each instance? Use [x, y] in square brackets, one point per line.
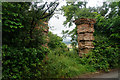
[45, 30]
[85, 29]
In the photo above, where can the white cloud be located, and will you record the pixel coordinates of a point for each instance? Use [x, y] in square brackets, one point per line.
[58, 25]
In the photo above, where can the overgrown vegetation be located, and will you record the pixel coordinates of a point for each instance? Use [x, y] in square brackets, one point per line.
[25, 57]
[55, 41]
[24, 63]
[64, 66]
[107, 32]
[104, 56]
[23, 50]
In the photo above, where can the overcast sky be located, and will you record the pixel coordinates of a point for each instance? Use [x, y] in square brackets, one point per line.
[57, 24]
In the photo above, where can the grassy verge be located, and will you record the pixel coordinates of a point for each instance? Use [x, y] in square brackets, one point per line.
[64, 66]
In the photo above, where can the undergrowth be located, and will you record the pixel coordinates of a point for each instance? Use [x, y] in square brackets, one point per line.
[64, 66]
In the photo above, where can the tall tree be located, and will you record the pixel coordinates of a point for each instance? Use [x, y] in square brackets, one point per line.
[109, 24]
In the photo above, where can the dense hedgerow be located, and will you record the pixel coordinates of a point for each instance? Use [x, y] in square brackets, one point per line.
[104, 56]
[24, 63]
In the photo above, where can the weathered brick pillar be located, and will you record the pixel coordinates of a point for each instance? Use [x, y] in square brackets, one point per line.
[85, 29]
[45, 30]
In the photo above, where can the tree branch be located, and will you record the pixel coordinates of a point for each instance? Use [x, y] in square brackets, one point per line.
[51, 12]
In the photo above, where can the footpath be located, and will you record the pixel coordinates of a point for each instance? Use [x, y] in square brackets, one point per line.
[114, 73]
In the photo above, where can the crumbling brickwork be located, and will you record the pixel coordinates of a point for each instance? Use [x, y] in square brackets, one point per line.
[45, 30]
[85, 29]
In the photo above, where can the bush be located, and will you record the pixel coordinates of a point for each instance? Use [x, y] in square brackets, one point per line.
[104, 56]
[55, 41]
[24, 63]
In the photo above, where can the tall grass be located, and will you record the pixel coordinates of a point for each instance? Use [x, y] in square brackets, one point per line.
[64, 65]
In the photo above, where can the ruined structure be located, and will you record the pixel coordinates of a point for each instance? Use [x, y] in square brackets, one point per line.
[45, 30]
[85, 29]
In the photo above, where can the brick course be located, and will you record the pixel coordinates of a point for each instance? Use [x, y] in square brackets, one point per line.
[85, 29]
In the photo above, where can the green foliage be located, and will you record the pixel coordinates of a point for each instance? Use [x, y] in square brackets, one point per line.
[109, 25]
[38, 38]
[104, 56]
[55, 41]
[108, 49]
[75, 11]
[12, 15]
[20, 19]
[24, 63]
[22, 41]
[64, 66]
[23, 54]
[107, 18]
[106, 52]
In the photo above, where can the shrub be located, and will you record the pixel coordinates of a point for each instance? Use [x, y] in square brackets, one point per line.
[55, 41]
[24, 63]
[104, 56]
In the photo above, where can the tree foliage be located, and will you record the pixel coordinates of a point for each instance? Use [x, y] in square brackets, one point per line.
[23, 52]
[22, 48]
[77, 10]
[105, 53]
[55, 41]
[21, 19]
[109, 24]
[107, 17]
